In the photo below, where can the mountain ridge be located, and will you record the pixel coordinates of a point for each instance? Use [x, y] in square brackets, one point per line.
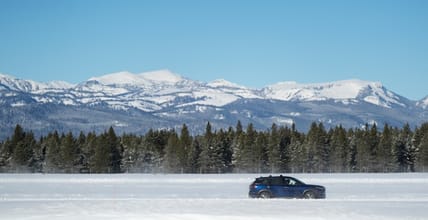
[170, 99]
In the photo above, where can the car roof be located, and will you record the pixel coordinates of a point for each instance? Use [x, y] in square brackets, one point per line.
[275, 176]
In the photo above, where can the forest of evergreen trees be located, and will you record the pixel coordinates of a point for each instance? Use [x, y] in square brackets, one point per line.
[277, 150]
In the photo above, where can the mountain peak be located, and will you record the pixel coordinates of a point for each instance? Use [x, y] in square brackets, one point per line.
[147, 78]
[122, 77]
[223, 83]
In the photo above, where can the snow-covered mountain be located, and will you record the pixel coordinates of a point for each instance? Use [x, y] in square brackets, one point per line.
[423, 103]
[162, 99]
[12, 83]
[139, 80]
[346, 91]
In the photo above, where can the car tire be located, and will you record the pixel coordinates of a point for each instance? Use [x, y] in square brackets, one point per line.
[265, 195]
[309, 195]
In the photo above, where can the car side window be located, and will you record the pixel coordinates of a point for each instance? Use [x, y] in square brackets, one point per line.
[289, 182]
[265, 181]
[277, 181]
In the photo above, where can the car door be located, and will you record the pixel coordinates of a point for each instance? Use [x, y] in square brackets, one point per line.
[294, 187]
[276, 186]
[279, 186]
[286, 190]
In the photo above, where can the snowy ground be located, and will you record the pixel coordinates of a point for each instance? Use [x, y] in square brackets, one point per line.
[224, 197]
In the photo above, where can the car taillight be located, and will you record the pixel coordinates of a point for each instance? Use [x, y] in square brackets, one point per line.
[253, 186]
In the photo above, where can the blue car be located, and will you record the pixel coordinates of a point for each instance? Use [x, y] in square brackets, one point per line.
[284, 187]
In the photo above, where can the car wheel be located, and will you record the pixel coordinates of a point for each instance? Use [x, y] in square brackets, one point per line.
[265, 195]
[309, 195]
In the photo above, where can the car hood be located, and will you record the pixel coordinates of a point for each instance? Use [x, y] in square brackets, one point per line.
[315, 186]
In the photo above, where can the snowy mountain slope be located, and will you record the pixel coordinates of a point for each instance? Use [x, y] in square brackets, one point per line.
[143, 79]
[16, 84]
[346, 91]
[160, 89]
[162, 99]
[423, 103]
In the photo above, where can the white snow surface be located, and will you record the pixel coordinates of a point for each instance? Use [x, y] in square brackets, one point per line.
[208, 197]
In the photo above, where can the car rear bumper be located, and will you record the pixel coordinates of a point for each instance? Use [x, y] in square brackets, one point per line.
[252, 194]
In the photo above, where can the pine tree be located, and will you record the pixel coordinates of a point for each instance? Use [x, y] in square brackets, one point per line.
[132, 154]
[52, 152]
[153, 150]
[237, 147]
[6, 156]
[324, 149]
[107, 155]
[353, 152]
[18, 135]
[183, 152]
[101, 159]
[412, 156]
[340, 150]
[205, 160]
[423, 154]
[88, 152]
[68, 152]
[274, 160]
[260, 151]
[216, 152]
[239, 128]
[227, 149]
[115, 150]
[11, 145]
[385, 156]
[23, 153]
[373, 146]
[285, 153]
[363, 149]
[81, 164]
[422, 160]
[297, 151]
[318, 154]
[206, 163]
[194, 155]
[223, 150]
[171, 160]
[421, 141]
[247, 159]
[403, 150]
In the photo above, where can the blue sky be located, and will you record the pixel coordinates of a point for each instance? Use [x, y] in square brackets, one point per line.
[253, 43]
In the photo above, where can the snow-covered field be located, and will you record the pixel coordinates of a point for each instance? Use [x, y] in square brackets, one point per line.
[223, 196]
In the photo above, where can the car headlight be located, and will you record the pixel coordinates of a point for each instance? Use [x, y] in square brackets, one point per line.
[320, 188]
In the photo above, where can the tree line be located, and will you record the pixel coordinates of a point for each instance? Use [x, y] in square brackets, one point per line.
[280, 149]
